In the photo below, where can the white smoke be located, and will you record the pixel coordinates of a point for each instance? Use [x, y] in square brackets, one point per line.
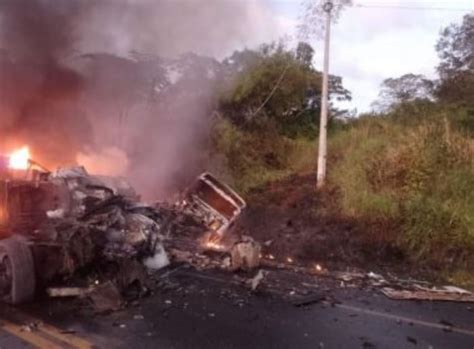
[109, 161]
[172, 27]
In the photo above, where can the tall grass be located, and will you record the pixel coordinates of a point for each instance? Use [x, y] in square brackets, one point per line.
[417, 175]
[420, 177]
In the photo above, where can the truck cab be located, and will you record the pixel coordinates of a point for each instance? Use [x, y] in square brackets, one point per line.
[216, 204]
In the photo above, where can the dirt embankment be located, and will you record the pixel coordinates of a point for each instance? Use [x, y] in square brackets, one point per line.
[294, 221]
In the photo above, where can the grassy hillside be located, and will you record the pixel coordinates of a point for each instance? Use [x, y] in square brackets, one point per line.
[420, 177]
[409, 182]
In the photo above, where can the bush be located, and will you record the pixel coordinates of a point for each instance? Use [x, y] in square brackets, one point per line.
[421, 177]
[255, 157]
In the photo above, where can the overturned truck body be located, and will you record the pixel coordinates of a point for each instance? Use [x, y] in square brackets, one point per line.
[54, 224]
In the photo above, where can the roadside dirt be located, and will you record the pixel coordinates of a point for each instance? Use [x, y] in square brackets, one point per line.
[294, 223]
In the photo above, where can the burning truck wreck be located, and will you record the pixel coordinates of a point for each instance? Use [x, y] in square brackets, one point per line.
[56, 224]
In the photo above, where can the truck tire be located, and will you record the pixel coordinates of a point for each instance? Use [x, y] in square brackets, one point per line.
[17, 261]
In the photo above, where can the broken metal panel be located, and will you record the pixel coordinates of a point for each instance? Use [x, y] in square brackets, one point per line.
[214, 198]
[106, 297]
[426, 294]
[24, 205]
[227, 192]
[245, 254]
[120, 186]
[59, 292]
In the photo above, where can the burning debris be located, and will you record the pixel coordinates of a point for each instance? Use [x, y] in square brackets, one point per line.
[57, 224]
[19, 160]
[74, 234]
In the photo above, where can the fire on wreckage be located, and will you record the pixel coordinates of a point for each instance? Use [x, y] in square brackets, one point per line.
[53, 224]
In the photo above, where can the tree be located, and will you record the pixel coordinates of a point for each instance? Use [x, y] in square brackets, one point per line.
[274, 85]
[455, 49]
[406, 88]
[279, 85]
[305, 53]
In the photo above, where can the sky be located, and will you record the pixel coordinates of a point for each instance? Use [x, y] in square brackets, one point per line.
[371, 44]
[368, 44]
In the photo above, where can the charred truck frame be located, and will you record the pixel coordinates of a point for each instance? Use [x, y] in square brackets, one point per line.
[25, 197]
[47, 229]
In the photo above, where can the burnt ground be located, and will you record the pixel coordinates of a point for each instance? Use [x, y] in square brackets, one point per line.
[291, 220]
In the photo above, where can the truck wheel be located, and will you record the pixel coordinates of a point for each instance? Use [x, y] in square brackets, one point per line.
[17, 272]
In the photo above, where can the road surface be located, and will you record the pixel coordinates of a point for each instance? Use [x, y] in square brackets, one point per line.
[204, 310]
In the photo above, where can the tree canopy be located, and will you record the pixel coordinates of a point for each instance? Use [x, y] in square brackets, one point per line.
[455, 49]
[406, 88]
[455, 86]
[277, 84]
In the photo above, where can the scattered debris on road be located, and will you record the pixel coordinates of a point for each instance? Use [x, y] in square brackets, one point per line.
[106, 297]
[447, 293]
[59, 292]
[94, 239]
[257, 279]
[245, 254]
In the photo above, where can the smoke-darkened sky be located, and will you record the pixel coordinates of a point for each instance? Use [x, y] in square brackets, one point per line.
[77, 78]
[171, 27]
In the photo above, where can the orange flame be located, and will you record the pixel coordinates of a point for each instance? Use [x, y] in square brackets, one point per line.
[214, 246]
[20, 159]
[213, 242]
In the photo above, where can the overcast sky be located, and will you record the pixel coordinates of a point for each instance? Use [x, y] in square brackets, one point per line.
[371, 44]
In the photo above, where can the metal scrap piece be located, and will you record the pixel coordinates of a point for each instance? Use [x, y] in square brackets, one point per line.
[245, 254]
[67, 291]
[106, 297]
[429, 295]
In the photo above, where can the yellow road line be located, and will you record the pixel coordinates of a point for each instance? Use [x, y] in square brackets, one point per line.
[30, 337]
[73, 341]
[44, 333]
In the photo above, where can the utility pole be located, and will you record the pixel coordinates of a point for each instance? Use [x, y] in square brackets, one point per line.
[323, 150]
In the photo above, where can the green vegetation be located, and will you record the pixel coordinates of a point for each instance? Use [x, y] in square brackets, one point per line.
[419, 177]
[260, 156]
[267, 123]
[408, 167]
[278, 87]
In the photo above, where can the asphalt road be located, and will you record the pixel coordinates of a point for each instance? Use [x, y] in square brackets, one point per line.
[207, 311]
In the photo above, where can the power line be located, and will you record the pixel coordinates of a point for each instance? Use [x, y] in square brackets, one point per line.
[418, 3]
[415, 8]
[272, 92]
